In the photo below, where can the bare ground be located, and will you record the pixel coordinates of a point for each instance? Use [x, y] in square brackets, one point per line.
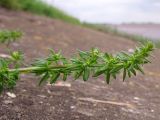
[137, 98]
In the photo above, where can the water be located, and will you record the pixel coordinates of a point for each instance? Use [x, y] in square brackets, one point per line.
[148, 30]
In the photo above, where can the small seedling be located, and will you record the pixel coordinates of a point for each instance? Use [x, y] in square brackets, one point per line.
[7, 37]
[93, 63]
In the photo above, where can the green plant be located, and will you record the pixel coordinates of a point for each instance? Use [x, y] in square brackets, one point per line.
[91, 63]
[39, 7]
[10, 4]
[9, 36]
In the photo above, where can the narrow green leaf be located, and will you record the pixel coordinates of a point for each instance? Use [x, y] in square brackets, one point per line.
[139, 68]
[44, 78]
[78, 74]
[54, 78]
[82, 54]
[65, 76]
[107, 55]
[129, 73]
[116, 69]
[147, 61]
[86, 74]
[124, 74]
[108, 77]
[133, 71]
[114, 76]
[99, 72]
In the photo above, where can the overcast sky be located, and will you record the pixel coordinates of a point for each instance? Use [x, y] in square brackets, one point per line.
[111, 11]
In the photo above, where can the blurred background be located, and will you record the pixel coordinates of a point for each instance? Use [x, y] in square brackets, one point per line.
[111, 11]
[132, 16]
[139, 18]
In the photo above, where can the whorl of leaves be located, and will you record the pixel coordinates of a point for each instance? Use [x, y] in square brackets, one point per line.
[91, 63]
[7, 36]
[8, 79]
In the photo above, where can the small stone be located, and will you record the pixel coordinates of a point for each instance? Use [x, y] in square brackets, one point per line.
[136, 98]
[24, 90]
[72, 107]
[130, 50]
[53, 108]
[12, 95]
[49, 91]
[42, 96]
[63, 84]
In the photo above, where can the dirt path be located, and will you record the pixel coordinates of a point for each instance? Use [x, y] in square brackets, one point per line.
[136, 99]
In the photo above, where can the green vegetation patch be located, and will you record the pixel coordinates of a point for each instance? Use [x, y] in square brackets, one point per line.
[38, 7]
[10, 4]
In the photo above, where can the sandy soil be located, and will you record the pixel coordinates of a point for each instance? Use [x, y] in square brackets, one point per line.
[137, 98]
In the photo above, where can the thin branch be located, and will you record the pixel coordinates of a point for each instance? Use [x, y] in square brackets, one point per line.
[86, 64]
[107, 102]
[31, 69]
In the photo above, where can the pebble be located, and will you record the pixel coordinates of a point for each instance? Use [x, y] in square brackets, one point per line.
[12, 95]
[49, 91]
[53, 108]
[72, 107]
[42, 96]
[24, 90]
[136, 98]
[63, 84]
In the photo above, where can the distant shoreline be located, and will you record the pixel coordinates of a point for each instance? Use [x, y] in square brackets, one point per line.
[150, 30]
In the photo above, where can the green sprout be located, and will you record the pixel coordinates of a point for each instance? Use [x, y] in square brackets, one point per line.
[93, 63]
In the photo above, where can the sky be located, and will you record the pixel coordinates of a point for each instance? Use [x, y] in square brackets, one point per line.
[111, 11]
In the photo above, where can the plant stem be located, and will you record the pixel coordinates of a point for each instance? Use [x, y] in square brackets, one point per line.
[31, 69]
